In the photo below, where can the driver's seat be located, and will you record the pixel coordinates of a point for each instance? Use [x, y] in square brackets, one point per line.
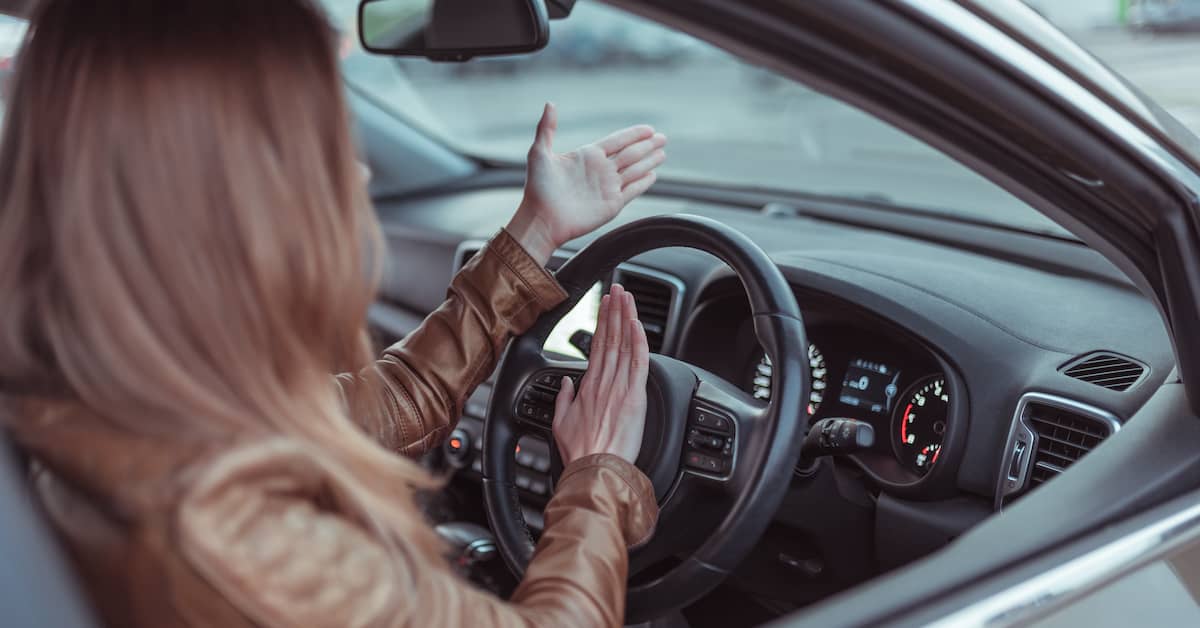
[37, 587]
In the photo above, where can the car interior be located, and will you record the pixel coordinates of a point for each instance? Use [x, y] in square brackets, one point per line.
[972, 357]
[954, 340]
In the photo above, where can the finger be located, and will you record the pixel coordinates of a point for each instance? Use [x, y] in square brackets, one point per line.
[643, 167]
[636, 151]
[614, 143]
[637, 188]
[596, 355]
[625, 355]
[631, 313]
[627, 347]
[547, 126]
[612, 339]
[562, 434]
[639, 364]
[562, 402]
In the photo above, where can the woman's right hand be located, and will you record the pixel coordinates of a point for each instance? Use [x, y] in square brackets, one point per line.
[609, 413]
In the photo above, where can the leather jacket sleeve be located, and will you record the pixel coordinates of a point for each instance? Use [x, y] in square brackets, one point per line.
[411, 398]
[255, 526]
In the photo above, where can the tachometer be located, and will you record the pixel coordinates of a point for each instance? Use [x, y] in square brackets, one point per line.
[920, 423]
[762, 378]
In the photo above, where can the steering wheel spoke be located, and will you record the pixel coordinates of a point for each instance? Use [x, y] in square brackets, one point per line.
[719, 420]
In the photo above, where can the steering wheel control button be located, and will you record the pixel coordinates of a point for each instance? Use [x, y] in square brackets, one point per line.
[709, 445]
[704, 418]
[702, 462]
[699, 440]
[536, 403]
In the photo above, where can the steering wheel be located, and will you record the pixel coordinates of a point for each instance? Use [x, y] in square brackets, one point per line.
[720, 461]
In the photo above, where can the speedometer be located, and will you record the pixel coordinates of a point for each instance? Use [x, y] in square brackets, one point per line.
[763, 376]
[920, 423]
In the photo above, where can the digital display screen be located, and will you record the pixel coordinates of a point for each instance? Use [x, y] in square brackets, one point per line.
[870, 386]
[581, 317]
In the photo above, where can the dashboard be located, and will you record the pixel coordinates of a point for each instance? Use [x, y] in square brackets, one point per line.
[942, 336]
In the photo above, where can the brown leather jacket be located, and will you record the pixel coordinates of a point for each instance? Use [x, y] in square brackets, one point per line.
[243, 536]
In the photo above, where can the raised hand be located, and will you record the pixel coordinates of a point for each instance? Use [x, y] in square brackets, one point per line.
[609, 413]
[570, 194]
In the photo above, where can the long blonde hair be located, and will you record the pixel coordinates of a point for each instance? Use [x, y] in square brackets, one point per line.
[186, 245]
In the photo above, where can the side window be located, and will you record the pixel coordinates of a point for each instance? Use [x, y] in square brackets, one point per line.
[1150, 43]
[12, 33]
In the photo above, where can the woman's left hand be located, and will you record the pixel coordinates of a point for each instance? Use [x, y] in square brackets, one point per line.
[568, 195]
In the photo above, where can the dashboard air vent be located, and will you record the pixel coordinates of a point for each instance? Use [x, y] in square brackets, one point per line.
[1063, 437]
[654, 298]
[1112, 371]
[1048, 435]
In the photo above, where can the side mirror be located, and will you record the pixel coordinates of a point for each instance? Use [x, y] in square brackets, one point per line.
[452, 30]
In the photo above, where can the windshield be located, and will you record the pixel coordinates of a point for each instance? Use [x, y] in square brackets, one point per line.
[738, 125]
[729, 123]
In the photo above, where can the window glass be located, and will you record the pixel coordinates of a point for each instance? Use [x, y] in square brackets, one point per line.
[12, 32]
[729, 123]
[1153, 44]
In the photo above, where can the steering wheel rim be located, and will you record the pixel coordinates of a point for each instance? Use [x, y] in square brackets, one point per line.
[765, 440]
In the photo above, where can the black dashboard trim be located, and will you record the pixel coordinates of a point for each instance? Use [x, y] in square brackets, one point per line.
[980, 315]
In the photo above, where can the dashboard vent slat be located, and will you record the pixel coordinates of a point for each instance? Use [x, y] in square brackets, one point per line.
[1108, 370]
[1063, 437]
[654, 298]
[1049, 434]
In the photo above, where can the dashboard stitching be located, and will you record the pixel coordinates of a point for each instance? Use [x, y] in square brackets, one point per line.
[935, 295]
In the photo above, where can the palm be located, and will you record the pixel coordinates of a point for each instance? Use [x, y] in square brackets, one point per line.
[609, 413]
[575, 192]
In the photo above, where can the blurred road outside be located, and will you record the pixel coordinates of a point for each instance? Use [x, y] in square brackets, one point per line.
[1166, 66]
[730, 122]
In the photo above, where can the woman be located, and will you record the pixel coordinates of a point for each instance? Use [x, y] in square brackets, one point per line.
[185, 256]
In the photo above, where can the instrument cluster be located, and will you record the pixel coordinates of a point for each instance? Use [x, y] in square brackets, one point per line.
[901, 396]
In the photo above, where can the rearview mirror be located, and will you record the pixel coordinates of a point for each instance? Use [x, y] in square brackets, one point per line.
[452, 30]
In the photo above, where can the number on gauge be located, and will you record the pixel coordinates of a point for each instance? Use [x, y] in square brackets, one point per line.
[920, 423]
[762, 378]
